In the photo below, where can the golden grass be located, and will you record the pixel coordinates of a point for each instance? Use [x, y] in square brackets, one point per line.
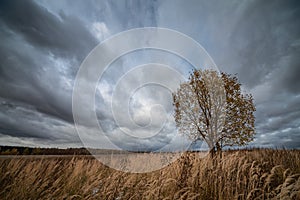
[254, 174]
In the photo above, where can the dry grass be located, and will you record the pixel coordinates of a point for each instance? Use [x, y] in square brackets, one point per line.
[256, 174]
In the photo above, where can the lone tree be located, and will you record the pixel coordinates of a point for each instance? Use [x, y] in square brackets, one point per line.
[211, 107]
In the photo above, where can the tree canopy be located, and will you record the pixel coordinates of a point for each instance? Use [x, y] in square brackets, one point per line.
[211, 107]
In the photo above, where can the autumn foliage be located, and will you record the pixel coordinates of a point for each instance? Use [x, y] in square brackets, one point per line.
[211, 107]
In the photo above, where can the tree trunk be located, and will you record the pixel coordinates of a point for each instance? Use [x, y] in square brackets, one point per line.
[219, 149]
[216, 150]
[212, 152]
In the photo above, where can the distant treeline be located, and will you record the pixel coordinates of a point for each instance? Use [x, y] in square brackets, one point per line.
[16, 150]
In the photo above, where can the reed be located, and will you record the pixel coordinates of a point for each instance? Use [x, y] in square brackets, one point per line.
[241, 174]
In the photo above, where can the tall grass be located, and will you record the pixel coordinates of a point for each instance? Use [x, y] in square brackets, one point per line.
[243, 174]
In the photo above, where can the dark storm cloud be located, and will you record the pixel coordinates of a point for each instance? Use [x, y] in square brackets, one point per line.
[42, 44]
[287, 78]
[117, 15]
[40, 54]
[271, 61]
[32, 35]
[269, 66]
[62, 36]
[260, 42]
[21, 120]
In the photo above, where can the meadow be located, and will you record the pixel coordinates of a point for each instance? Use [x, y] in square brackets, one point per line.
[239, 174]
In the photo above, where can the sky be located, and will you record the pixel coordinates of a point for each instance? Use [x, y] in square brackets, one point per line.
[43, 44]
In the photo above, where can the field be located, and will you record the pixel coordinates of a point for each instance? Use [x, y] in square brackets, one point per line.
[242, 174]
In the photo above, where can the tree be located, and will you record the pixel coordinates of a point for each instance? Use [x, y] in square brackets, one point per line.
[211, 107]
[14, 151]
[26, 151]
[36, 151]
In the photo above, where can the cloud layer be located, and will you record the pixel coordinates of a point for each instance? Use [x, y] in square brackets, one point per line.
[43, 44]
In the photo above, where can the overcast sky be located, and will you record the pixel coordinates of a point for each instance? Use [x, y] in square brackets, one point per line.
[43, 43]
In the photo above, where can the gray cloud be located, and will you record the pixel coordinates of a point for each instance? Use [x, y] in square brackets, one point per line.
[61, 35]
[40, 56]
[21, 120]
[258, 41]
[42, 44]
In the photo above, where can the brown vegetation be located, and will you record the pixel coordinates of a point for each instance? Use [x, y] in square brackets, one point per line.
[211, 106]
[243, 174]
